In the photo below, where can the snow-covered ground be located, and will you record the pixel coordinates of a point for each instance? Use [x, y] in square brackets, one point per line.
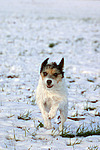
[27, 28]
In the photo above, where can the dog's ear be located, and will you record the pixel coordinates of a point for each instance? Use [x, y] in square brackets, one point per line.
[61, 64]
[43, 64]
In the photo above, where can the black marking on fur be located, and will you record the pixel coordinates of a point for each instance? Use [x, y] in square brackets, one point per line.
[43, 65]
[61, 64]
[53, 65]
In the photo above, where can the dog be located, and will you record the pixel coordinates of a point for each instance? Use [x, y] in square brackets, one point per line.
[51, 94]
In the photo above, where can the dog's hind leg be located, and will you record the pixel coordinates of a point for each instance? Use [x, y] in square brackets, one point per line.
[63, 119]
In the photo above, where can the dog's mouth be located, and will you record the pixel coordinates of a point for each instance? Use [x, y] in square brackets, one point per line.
[49, 86]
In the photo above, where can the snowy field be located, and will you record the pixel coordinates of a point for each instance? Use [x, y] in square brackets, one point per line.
[30, 31]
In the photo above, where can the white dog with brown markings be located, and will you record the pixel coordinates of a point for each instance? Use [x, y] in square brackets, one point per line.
[51, 93]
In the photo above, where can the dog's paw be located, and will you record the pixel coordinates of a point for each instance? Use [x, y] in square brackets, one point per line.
[51, 115]
[47, 124]
[48, 127]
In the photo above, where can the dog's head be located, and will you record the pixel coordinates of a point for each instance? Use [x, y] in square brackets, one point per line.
[52, 73]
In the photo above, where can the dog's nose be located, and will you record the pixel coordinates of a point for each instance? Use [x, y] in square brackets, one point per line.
[49, 82]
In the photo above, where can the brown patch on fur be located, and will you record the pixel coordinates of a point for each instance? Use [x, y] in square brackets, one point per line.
[59, 78]
[52, 68]
[42, 76]
[51, 74]
[51, 71]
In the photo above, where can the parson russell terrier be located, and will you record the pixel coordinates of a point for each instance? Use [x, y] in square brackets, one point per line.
[51, 93]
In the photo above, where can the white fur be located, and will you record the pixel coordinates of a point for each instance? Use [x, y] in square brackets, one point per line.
[50, 100]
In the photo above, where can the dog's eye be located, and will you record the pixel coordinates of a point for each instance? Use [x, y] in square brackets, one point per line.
[45, 73]
[55, 74]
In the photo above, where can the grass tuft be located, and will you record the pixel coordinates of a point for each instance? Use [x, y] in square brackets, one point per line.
[40, 125]
[82, 131]
[25, 116]
[89, 108]
[95, 147]
[77, 141]
[51, 45]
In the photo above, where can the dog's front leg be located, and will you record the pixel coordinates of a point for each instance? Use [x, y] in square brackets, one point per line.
[53, 111]
[45, 115]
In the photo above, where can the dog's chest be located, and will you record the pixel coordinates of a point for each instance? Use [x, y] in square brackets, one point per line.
[50, 99]
[48, 103]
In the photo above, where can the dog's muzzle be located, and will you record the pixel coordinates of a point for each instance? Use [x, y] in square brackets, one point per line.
[49, 84]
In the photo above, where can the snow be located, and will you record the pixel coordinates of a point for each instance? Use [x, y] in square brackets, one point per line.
[27, 27]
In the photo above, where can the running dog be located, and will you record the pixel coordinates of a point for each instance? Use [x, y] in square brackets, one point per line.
[51, 93]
